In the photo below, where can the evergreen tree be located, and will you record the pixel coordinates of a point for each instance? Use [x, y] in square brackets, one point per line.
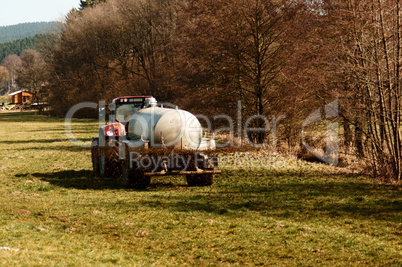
[89, 3]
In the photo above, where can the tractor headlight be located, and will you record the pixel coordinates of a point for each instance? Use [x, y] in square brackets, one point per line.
[110, 133]
[115, 129]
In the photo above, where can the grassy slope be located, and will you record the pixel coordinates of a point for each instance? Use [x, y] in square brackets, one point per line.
[55, 212]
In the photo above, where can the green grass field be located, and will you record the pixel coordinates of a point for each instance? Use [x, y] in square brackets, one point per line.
[54, 212]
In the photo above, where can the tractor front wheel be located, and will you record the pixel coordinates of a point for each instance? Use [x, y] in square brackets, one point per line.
[109, 162]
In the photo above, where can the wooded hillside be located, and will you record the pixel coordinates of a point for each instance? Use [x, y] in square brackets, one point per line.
[17, 46]
[19, 31]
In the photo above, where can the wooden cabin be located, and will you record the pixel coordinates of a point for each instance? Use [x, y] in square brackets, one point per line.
[21, 98]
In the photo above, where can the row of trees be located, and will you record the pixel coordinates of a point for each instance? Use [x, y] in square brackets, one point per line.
[371, 66]
[275, 56]
[198, 54]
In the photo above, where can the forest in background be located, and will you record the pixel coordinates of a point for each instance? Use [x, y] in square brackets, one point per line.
[16, 38]
[276, 57]
[23, 30]
[16, 47]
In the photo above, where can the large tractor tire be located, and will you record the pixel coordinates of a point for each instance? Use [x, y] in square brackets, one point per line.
[110, 164]
[133, 176]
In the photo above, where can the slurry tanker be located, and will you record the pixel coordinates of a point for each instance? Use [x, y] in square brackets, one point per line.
[144, 140]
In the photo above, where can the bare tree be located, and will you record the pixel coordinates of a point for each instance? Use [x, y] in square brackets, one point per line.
[12, 63]
[33, 73]
[115, 48]
[150, 29]
[240, 47]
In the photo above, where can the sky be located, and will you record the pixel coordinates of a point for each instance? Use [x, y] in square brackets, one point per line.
[19, 11]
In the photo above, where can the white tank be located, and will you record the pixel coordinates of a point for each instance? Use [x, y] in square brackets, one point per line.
[166, 127]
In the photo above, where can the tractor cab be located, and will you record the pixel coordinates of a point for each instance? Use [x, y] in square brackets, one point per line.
[123, 108]
[120, 111]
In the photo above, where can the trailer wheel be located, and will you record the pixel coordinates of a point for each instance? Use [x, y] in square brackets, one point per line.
[200, 179]
[133, 177]
[109, 162]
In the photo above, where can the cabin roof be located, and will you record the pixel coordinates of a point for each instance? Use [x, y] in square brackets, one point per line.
[18, 92]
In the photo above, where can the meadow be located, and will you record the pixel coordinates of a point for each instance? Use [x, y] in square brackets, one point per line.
[284, 212]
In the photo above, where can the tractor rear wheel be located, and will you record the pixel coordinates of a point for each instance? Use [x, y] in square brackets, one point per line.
[110, 164]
